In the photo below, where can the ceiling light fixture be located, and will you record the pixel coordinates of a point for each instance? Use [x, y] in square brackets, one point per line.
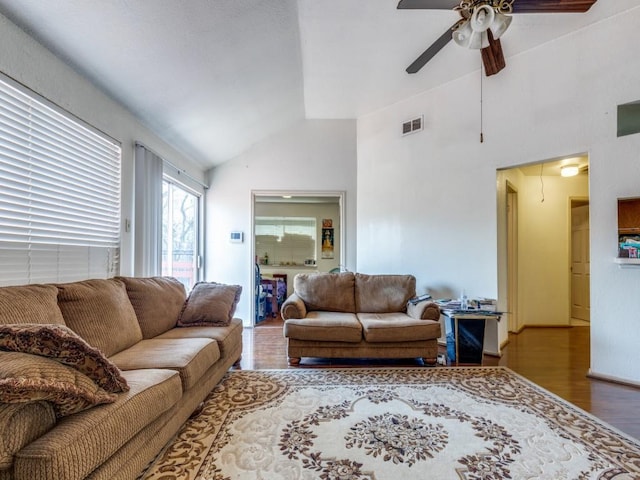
[569, 170]
[478, 16]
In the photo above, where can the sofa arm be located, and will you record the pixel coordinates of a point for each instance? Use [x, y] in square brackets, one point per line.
[293, 307]
[21, 424]
[424, 310]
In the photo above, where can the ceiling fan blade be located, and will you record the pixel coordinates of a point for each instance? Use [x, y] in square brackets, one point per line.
[428, 4]
[492, 56]
[552, 6]
[519, 6]
[431, 52]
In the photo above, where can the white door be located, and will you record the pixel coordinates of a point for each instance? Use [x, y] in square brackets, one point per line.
[580, 294]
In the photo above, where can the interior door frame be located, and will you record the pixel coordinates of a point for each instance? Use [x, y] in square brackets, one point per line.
[340, 194]
[512, 258]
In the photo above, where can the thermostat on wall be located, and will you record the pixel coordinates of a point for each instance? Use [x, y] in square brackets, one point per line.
[236, 237]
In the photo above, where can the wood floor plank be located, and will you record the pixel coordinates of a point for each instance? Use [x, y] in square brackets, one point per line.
[557, 359]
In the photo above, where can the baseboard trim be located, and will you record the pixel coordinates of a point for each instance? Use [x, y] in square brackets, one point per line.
[612, 379]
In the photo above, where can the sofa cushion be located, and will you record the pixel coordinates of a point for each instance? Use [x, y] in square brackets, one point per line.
[80, 443]
[210, 303]
[21, 424]
[325, 327]
[30, 304]
[332, 292]
[101, 313]
[64, 345]
[28, 378]
[397, 327]
[229, 338]
[191, 357]
[383, 293]
[157, 302]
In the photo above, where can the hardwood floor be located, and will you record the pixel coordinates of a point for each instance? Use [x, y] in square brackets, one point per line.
[554, 358]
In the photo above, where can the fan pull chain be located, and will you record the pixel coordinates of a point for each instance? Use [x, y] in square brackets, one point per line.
[481, 133]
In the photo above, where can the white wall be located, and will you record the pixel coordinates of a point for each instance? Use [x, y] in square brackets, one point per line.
[29, 63]
[313, 155]
[427, 202]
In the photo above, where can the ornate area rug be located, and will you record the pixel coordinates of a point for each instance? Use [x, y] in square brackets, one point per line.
[393, 423]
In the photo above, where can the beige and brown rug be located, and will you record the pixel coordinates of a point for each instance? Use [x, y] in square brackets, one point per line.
[393, 423]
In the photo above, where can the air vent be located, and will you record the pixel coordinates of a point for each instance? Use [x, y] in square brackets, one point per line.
[412, 126]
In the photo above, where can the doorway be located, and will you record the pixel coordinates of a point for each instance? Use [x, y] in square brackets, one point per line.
[543, 239]
[292, 233]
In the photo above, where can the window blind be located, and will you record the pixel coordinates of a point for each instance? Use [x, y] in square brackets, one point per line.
[59, 194]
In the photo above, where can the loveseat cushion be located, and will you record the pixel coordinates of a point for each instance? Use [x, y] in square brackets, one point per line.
[64, 345]
[30, 304]
[190, 357]
[331, 292]
[383, 293]
[80, 443]
[229, 338]
[101, 313]
[157, 302]
[21, 424]
[397, 327]
[325, 327]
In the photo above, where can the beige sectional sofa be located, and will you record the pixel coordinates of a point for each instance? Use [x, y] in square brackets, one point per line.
[354, 315]
[97, 376]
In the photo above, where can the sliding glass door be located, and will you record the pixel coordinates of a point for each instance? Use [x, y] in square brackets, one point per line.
[180, 234]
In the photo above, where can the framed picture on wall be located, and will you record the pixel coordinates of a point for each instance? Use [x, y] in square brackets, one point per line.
[327, 242]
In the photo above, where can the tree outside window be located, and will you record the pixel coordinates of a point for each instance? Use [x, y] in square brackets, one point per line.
[180, 234]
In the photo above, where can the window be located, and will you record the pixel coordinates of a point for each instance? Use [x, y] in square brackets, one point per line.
[180, 234]
[59, 194]
[285, 240]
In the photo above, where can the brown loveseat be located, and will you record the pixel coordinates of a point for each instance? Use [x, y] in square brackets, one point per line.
[97, 376]
[353, 315]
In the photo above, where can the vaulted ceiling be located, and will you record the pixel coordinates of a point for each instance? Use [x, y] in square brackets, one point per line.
[213, 77]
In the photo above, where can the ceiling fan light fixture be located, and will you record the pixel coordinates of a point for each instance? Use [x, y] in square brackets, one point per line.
[482, 18]
[462, 34]
[471, 31]
[569, 170]
[466, 37]
[500, 24]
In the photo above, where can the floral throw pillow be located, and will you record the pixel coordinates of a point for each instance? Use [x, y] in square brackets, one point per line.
[28, 378]
[210, 303]
[61, 343]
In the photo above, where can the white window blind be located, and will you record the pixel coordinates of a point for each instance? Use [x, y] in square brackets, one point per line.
[59, 194]
[285, 240]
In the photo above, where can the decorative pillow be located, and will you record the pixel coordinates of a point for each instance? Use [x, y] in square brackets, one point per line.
[157, 302]
[210, 303]
[29, 378]
[64, 345]
[30, 304]
[100, 312]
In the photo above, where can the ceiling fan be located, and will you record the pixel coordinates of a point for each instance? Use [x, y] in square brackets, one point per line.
[483, 22]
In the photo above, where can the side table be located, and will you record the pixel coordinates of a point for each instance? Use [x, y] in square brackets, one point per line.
[465, 335]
